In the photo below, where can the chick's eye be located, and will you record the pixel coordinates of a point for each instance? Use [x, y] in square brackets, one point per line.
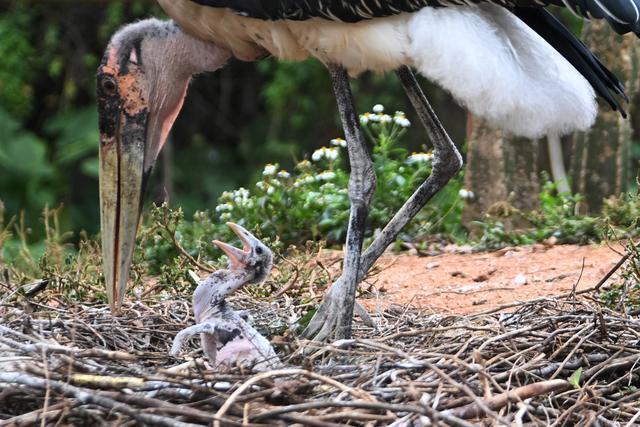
[108, 85]
[259, 250]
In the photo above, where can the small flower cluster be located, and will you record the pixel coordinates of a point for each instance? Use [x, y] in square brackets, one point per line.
[271, 176]
[240, 198]
[339, 142]
[309, 179]
[269, 189]
[325, 153]
[270, 169]
[314, 196]
[379, 116]
[326, 176]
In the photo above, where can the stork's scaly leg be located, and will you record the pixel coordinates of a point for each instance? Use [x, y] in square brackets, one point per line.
[334, 317]
[447, 161]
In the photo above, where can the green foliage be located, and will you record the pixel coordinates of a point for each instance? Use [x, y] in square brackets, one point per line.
[621, 295]
[26, 171]
[625, 294]
[558, 218]
[36, 172]
[72, 272]
[16, 69]
[311, 202]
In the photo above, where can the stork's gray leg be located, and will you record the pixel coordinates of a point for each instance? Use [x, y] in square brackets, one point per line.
[334, 317]
[447, 162]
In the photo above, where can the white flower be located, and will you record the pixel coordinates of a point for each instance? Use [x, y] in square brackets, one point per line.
[260, 185]
[318, 155]
[270, 190]
[284, 174]
[331, 153]
[419, 158]
[270, 170]
[375, 117]
[378, 108]
[326, 176]
[466, 194]
[307, 179]
[325, 152]
[225, 216]
[386, 118]
[339, 142]
[364, 119]
[224, 207]
[402, 121]
[242, 193]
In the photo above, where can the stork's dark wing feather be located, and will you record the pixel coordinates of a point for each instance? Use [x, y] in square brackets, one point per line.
[623, 15]
[339, 10]
[603, 81]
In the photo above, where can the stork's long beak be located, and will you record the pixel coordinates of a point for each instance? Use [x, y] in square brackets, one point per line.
[123, 119]
[122, 186]
[238, 256]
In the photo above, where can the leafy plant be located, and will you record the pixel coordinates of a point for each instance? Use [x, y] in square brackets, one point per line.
[558, 218]
[36, 173]
[311, 202]
[625, 294]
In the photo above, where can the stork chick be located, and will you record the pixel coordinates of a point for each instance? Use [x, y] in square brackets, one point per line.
[227, 337]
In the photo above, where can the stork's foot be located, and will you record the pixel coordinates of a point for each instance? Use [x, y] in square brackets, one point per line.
[328, 323]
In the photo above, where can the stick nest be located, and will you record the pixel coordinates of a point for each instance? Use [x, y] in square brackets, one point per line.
[556, 361]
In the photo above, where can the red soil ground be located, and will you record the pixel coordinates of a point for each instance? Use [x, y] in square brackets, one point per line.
[464, 283]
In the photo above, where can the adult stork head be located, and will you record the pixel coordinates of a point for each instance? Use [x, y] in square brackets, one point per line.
[141, 85]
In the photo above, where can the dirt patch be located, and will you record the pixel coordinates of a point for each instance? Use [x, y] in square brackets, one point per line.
[464, 283]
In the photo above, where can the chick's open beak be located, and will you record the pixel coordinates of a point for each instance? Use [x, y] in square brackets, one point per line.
[238, 257]
[123, 116]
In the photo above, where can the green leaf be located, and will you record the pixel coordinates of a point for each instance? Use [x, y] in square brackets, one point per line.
[76, 134]
[574, 379]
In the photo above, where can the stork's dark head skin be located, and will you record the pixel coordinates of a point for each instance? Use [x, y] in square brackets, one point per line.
[141, 85]
[254, 259]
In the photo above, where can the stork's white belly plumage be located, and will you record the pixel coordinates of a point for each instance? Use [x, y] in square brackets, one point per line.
[487, 58]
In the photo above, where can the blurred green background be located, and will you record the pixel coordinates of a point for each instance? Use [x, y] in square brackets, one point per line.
[234, 121]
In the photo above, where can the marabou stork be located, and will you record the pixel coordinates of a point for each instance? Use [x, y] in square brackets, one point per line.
[509, 61]
[226, 335]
